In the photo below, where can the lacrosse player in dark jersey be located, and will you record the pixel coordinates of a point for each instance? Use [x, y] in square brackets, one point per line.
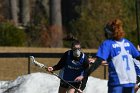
[72, 67]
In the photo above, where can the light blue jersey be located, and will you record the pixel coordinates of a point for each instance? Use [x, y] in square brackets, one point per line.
[119, 55]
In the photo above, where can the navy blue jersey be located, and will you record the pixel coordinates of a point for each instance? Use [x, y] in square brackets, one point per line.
[71, 67]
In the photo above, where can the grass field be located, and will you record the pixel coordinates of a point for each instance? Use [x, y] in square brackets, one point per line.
[11, 68]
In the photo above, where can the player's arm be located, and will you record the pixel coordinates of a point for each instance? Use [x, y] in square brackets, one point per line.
[94, 65]
[61, 62]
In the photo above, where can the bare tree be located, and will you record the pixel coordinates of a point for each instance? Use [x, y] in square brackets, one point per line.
[45, 4]
[56, 23]
[20, 11]
[25, 12]
[14, 11]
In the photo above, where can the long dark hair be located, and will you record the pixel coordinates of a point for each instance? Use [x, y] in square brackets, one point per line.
[75, 42]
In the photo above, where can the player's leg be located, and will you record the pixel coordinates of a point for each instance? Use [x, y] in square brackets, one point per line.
[76, 85]
[63, 87]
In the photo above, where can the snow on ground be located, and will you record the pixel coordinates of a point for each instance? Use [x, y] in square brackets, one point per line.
[46, 83]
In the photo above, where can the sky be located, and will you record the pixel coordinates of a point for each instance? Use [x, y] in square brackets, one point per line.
[46, 83]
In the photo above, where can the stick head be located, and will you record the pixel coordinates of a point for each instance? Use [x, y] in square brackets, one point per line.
[37, 63]
[32, 59]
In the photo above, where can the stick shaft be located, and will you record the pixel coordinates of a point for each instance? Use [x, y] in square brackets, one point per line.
[46, 68]
[63, 80]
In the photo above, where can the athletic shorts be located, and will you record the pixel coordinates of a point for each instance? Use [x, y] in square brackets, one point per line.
[120, 89]
[65, 85]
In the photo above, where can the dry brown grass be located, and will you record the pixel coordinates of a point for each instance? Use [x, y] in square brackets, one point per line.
[39, 50]
[11, 68]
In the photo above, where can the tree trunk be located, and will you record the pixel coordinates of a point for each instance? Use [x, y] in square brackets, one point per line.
[25, 12]
[56, 23]
[14, 11]
[46, 6]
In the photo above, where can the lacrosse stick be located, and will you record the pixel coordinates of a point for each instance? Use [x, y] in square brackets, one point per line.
[36, 63]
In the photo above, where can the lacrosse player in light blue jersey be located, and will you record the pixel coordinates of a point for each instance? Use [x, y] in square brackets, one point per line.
[119, 53]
